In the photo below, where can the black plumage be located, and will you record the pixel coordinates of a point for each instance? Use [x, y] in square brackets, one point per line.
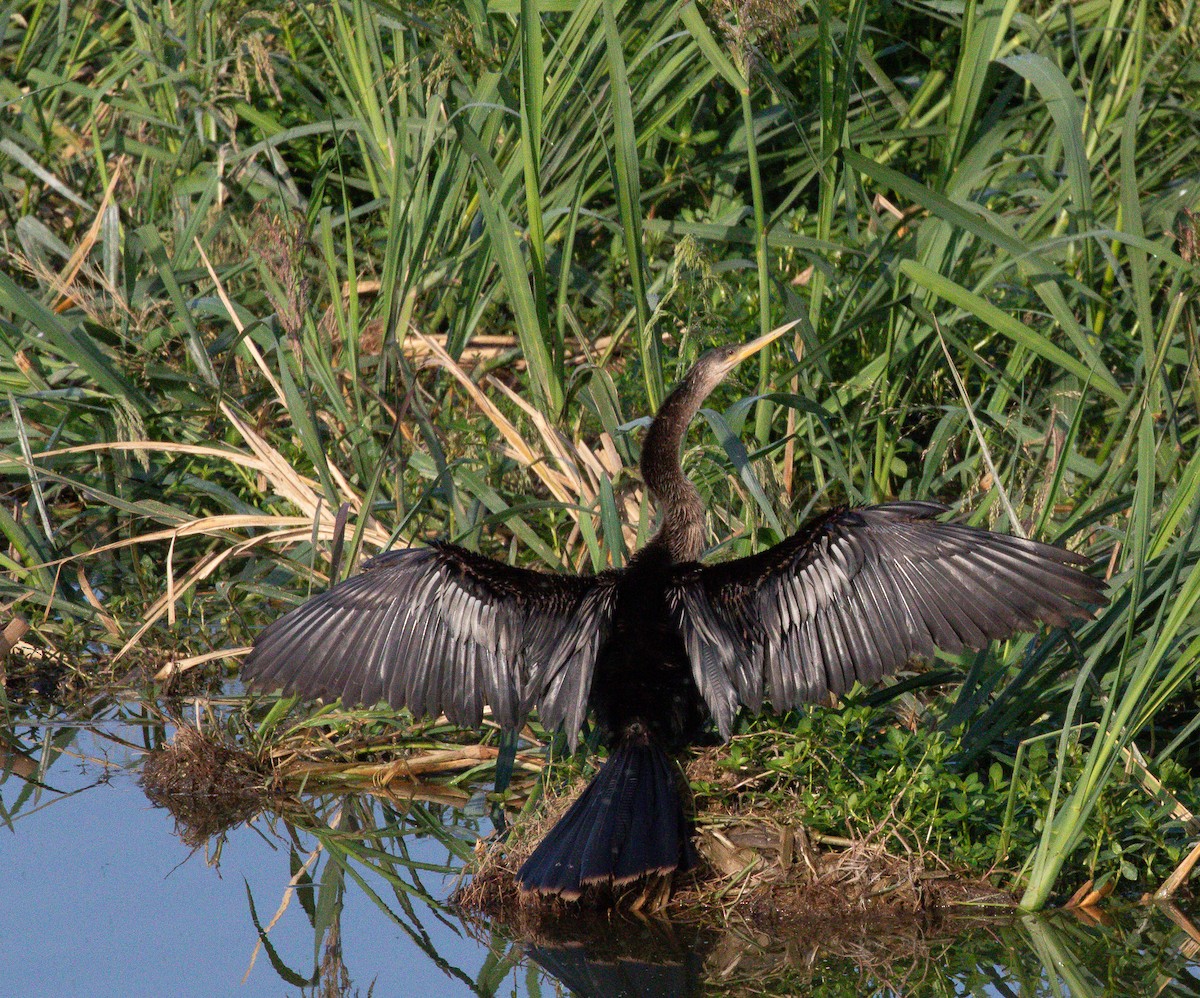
[657, 649]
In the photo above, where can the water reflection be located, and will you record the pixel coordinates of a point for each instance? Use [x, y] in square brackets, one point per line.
[621, 967]
[352, 895]
[1147, 951]
[371, 846]
[362, 841]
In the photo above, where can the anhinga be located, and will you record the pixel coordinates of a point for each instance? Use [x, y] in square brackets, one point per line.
[661, 647]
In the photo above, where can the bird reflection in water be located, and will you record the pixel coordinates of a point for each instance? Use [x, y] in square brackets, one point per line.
[596, 954]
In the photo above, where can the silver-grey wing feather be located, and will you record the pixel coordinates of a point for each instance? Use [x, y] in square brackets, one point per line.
[442, 630]
[857, 593]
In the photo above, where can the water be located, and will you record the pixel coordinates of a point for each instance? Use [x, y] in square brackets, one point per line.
[100, 897]
[102, 891]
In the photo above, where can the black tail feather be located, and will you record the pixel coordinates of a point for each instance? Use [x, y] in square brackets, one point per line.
[628, 822]
[607, 822]
[629, 863]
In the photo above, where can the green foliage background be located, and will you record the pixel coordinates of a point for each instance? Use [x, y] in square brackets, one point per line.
[226, 226]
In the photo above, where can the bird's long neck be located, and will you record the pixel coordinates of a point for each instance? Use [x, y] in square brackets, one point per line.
[681, 531]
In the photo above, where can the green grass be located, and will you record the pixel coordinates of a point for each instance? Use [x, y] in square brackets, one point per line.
[863, 771]
[227, 235]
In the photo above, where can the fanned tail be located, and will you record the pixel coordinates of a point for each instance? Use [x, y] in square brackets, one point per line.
[629, 822]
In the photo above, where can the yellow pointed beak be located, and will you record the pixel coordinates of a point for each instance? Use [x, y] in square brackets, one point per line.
[751, 348]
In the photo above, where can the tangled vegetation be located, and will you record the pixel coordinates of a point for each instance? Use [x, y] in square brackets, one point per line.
[284, 284]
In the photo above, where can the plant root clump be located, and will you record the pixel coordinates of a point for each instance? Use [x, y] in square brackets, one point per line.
[492, 889]
[775, 877]
[208, 787]
[759, 866]
[767, 906]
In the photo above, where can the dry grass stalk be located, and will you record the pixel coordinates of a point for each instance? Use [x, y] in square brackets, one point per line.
[570, 471]
[283, 480]
[410, 768]
[1179, 875]
[14, 631]
[181, 665]
[247, 343]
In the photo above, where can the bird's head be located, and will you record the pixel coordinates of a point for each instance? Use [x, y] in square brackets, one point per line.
[714, 365]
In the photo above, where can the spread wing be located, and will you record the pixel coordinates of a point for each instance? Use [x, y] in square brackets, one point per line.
[855, 594]
[445, 630]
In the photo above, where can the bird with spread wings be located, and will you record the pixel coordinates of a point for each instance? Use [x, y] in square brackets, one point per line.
[660, 649]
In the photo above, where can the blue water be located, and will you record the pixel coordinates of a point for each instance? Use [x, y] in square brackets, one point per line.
[100, 897]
